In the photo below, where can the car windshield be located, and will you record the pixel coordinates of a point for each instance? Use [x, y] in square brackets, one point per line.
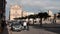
[16, 24]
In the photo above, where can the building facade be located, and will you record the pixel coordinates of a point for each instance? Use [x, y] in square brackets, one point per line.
[2, 9]
[51, 14]
[2, 14]
[16, 12]
[27, 13]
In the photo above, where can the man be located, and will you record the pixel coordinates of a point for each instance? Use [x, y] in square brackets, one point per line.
[25, 24]
[26, 27]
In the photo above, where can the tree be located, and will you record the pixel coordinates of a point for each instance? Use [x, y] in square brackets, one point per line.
[58, 15]
[43, 15]
[54, 20]
[32, 16]
[19, 18]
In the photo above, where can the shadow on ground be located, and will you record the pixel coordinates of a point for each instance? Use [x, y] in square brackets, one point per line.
[5, 31]
[49, 27]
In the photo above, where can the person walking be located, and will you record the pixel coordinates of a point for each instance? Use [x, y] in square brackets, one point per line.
[24, 25]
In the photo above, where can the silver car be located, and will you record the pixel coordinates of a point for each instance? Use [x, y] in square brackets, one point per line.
[16, 27]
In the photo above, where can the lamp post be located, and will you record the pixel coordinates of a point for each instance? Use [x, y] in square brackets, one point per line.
[22, 14]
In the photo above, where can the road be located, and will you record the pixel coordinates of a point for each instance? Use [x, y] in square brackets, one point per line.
[34, 30]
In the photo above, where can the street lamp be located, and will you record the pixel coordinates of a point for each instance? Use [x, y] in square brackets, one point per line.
[22, 14]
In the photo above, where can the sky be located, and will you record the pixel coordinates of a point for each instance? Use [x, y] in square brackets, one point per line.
[34, 5]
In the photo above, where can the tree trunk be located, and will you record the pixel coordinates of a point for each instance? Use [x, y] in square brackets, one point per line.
[54, 21]
[28, 20]
[41, 22]
[54, 18]
[33, 21]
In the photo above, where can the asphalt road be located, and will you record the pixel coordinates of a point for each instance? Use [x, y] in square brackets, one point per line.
[34, 30]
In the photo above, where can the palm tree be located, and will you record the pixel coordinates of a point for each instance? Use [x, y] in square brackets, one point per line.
[28, 17]
[58, 16]
[33, 17]
[16, 18]
[54, 19]
[42, 15]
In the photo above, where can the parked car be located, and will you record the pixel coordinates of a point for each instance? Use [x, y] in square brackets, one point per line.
[10, 24]
[16, 26]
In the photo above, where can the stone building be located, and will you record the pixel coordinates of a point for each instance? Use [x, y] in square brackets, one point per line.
[16, 12]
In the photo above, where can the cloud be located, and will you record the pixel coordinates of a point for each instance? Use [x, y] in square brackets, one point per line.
[34, 5]
[37, 3]
[40, 2]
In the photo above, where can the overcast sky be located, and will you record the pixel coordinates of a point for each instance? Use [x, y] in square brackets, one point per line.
[34, 5]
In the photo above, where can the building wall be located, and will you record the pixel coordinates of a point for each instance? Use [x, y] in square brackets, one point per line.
[2, 9]
[15, 11]
[24, 13]
[27, 13]
[30, 13]
[51, 14]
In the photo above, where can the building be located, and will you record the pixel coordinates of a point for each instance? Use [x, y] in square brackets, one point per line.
[2, 9]
[51, 14]
[2, 14]
[16, 12]
[25, 13]
[30, 13]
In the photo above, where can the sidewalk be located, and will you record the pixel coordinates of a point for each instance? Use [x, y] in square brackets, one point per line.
[5, 31]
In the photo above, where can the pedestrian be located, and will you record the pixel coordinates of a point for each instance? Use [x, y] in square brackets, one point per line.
[25, 25]
[28, 26]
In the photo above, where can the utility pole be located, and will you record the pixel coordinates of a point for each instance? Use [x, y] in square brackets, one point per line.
[22, 14]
